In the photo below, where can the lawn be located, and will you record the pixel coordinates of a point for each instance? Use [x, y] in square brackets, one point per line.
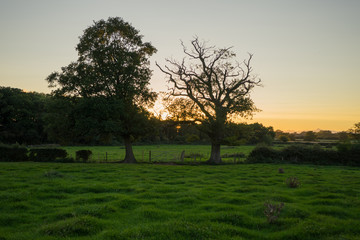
[160, 153]
[149, 201]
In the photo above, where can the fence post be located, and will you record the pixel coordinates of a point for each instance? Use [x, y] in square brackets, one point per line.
[182, 156]
[150, 156]
[143, 155]
[106, 157]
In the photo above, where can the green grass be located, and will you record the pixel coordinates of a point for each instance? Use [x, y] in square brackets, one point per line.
[159, 153]
[149, 201]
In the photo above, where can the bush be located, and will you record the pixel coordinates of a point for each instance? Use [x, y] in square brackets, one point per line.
[83, 155]
[13, 153]
[47, 154]
[295, 153]
[350, 154]
[354, 155]
[263, 154]
[343, 147]
[284, 138]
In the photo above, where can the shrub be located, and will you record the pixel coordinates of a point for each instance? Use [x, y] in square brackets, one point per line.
[295, 153]
[46, 154]
[343, 147]
[350, 155]
[292, 182]
[267, 139]
[83, 155]
[13, 153]
[263, 154]
[284, 138]
[272, 211]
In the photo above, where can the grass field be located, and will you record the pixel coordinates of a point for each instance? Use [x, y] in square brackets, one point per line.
[159, 153]
[149, 201]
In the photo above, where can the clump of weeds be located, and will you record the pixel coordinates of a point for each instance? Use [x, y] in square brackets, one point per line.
[272, 211]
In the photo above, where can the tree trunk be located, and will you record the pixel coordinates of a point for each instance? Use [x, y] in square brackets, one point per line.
[129, 154]
[215, 157]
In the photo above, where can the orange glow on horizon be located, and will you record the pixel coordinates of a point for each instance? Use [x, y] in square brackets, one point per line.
[290, 121]
[300, 124]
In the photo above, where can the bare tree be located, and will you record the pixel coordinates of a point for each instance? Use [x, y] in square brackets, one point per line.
[216, 84]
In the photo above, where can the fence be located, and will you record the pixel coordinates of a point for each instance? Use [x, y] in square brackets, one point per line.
[159, 155]
[150, 156]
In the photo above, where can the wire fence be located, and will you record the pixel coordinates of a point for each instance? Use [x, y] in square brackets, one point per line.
[160, 156]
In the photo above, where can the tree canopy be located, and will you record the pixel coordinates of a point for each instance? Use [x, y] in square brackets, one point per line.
[214, 82]
[113, 64]
[21, 116]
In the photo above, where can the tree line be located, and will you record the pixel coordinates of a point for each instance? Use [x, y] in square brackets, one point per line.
[32, 118]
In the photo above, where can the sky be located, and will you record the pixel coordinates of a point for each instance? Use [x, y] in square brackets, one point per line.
[307, 53]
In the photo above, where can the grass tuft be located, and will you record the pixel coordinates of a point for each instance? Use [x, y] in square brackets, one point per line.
[72, 227]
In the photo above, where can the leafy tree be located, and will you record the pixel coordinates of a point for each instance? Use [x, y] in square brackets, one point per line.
[242, 133]
[310, 136]
[260, 134]
[325, 134]
[80, 120]
[21, 116]
[216, 84]
[342, 136]
[284, 138]
[355, 131]
[112, 69]
[292, 136]
[60, 120]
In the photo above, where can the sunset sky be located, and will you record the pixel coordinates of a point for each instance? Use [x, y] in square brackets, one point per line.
[307, 52]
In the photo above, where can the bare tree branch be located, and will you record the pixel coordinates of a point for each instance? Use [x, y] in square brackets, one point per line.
[215, 82]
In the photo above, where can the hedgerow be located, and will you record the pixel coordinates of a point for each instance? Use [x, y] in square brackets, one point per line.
[303, 154]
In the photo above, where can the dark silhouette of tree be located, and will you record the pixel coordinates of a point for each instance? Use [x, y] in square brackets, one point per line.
[217, 84]
[113, 64]
[355, 131]
[242, 133]
[21, 116]
[310, 136]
